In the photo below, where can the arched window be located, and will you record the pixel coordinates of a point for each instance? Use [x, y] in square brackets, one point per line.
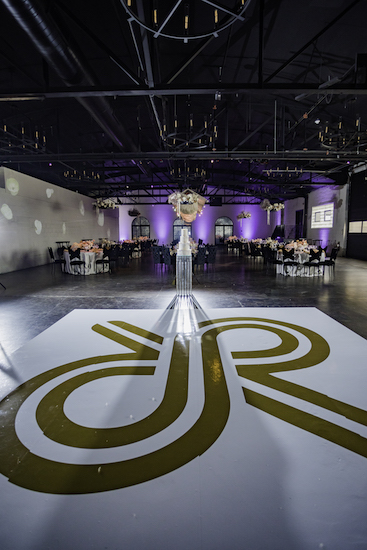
[140, 227]
[223, 229]
[178, 224]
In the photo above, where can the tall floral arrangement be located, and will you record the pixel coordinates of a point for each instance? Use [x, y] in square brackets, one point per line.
[266, 205]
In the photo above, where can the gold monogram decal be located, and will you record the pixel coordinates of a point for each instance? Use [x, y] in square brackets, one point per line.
[26, 469]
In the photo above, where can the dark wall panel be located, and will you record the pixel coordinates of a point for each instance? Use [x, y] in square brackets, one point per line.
[357, 242]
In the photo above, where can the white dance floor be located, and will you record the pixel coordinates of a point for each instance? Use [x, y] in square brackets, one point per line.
[150, 429]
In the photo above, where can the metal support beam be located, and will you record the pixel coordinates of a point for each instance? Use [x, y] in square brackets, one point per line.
[295, 156]
[254, 132]
[261, 42]
[265, 90]
[317, 35]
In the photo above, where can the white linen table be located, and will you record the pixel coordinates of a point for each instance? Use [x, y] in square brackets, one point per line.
[90, 268]
[299, 270]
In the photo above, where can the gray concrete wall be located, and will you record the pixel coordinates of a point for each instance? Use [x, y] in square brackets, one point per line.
[35, 214]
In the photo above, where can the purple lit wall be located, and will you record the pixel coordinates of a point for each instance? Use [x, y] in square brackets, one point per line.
[161, 218]
[248, 228]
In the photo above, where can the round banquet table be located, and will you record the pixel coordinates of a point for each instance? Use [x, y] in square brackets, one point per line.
[90, 267]
[299, 270]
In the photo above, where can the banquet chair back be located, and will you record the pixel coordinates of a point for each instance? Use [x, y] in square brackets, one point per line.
[123, 255]
[313, 261]
[156, 251]
[289, 261]
[267, 254]
[200, 257]
[56, 261]
[330, 262]
[288, 254]
[112, 255]
[167, 259]
[255, 250]
[210, 257]
[104, 261]
[77, 262]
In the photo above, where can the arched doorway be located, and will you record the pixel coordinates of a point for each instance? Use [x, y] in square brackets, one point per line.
[178, 224]
[223, 229]
[140, 227]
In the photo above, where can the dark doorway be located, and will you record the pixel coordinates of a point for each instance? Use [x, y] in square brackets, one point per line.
[299, 224]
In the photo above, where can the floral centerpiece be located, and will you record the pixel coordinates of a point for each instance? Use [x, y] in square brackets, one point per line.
[232, 238]
[243, 214]
[87, 246]
[105, 203]
[278, 206]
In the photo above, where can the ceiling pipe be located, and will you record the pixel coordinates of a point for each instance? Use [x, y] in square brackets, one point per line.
[49, 41]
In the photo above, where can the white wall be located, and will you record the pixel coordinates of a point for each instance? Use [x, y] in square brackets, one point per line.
[338, 195]
[35, 214]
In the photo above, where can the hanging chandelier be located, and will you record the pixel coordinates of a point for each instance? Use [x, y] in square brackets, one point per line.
[105, 203]
[175, 19]
[336, 137]
[243, 215]
[185, 172]
[187, 204]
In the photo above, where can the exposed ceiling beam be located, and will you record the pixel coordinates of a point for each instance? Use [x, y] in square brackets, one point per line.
[294, 155]
[204, 89]
[315, 37]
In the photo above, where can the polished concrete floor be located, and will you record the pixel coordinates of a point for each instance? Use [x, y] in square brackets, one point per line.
[36, 298]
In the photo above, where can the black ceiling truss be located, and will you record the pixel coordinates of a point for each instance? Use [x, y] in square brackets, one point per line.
[94, 102]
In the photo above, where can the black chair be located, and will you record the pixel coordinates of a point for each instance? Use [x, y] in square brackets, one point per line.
[77, 262]
[314, 261]
[210, 257]
[267, 254]
[157, 257]
[105, 261]
[330, 262]
[167, 258]
[270, 257]
[288, 261]
[199, 259]
[56, 261]
[113, 257]
[255, 250]
[123, 255]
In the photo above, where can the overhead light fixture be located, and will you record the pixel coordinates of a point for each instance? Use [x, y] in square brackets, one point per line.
[187, 204]
[209, 25]
[35, 97]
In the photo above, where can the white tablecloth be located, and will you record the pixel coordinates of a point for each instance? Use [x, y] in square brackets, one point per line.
[90, 267]
[299, 270]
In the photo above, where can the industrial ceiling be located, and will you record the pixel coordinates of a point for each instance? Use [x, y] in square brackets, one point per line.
[238, 100]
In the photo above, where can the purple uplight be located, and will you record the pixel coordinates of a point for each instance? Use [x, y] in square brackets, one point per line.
[324, 236]
[162, 220]
[203, 226]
